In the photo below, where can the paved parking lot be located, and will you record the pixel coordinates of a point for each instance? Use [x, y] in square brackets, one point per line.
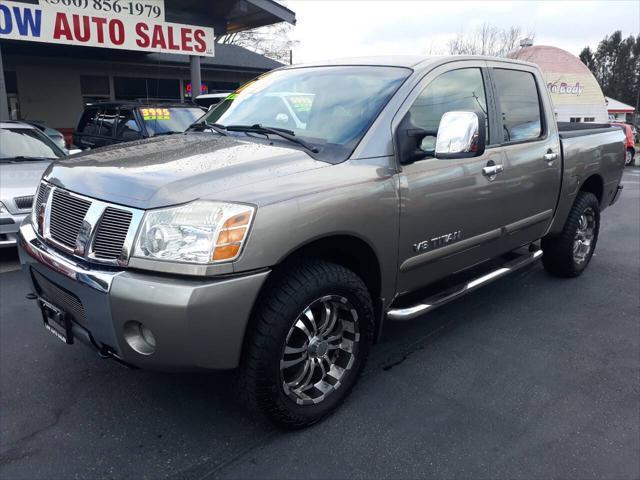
[531, 377]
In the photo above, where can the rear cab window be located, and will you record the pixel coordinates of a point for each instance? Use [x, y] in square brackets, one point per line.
[518, 102]
[107, 120]
[127, 127]
[88, 124]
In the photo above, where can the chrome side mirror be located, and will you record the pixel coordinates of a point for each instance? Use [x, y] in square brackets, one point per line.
[461, 135]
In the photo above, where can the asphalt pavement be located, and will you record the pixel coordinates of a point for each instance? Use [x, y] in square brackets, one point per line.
[531, 377]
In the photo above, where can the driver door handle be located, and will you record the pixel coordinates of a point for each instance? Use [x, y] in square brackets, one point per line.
[550, 157]
[492, 170]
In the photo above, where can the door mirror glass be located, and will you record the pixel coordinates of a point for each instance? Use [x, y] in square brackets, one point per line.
[460, 135]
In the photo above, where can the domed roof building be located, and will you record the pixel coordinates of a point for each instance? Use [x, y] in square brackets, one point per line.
[576, 94]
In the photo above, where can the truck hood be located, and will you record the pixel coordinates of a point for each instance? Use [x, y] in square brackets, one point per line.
[20, 179]
[176, 169]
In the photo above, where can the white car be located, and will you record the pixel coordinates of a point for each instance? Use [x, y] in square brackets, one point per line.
[25, 153]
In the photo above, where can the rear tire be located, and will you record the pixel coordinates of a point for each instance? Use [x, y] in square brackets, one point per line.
[310, 337]
[568, 254]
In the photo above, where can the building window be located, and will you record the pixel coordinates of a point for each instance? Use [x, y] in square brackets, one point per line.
[575, 119]
[94, 88]
[127, 88]
[11, 84]
[589, 119]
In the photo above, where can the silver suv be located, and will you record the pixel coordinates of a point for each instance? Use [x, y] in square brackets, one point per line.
[25, 153]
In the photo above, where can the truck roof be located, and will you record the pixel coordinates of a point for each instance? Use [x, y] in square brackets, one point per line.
[406, 61]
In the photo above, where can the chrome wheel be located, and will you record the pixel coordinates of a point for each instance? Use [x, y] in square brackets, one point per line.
[319, 350]
[583, 238]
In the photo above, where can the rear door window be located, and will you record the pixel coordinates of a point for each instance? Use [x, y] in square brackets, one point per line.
[519, 104]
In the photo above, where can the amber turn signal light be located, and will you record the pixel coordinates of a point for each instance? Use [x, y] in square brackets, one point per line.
[231, 236]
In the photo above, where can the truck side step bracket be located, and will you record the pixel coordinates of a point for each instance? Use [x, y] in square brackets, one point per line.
[450, 294]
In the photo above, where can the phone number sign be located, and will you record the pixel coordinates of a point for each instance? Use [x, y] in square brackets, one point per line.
[118, 24]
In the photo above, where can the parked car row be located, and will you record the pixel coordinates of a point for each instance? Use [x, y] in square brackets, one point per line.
[25, 153]
[109, 123]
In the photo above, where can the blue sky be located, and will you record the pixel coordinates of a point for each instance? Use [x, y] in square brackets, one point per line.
[339, 28]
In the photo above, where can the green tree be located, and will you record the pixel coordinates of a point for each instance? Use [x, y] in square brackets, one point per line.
[616, 65]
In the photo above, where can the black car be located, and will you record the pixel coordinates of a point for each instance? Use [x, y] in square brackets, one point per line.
[107, 123]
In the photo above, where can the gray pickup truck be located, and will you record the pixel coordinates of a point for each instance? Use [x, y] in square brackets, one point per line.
[281, 231]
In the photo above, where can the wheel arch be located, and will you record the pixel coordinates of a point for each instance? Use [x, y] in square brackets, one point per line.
[594, 184]
[345, 249]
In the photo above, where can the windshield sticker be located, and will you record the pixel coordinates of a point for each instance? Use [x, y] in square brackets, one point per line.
[231, 96]
[301, 103]
[155, 114]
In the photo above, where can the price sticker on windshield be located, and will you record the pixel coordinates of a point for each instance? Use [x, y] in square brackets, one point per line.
[155, 114]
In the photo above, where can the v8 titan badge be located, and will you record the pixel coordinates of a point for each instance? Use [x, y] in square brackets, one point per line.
[437, 242]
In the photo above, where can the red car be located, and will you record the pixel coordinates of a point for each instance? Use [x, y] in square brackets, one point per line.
[629, 143]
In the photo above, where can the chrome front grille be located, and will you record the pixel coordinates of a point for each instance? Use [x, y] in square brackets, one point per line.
[42, 197]
[66, 217]
[112, 232]
[87, 228]
[24, 203]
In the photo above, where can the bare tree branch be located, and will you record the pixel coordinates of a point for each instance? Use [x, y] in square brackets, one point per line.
[273, 41]
[487, 40]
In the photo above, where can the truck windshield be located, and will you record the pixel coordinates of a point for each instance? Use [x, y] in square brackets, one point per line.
[24, 144]
[328, 107]
[165, 120]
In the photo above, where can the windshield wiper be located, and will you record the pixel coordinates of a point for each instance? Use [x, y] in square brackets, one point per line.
[159, 134]
[281, 132]
[216, 127]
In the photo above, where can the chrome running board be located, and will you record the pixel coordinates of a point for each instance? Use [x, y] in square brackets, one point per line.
[451, 294]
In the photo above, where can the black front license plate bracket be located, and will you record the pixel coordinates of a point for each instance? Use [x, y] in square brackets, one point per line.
[56, 321]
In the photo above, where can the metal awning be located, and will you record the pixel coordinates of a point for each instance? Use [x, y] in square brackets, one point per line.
[228, 16]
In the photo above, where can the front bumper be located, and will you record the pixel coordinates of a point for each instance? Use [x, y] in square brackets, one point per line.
[197, 323]
[9, 225]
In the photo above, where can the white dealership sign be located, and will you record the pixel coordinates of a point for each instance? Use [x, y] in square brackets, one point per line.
[120, 24]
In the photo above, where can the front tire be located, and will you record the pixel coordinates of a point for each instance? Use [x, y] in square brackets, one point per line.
[568, 254]
[310, 338]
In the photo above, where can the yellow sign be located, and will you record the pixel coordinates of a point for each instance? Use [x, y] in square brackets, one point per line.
[155, 113]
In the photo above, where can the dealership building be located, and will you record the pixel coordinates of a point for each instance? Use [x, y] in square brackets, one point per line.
[575, 93]
[56, 59]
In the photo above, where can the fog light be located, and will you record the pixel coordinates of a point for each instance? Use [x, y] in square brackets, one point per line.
[140, 338]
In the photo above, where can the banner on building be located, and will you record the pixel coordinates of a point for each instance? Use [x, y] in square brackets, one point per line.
[119, 24]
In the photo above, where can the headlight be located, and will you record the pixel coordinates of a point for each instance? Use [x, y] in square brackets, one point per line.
[3, 209]
[198, 232]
